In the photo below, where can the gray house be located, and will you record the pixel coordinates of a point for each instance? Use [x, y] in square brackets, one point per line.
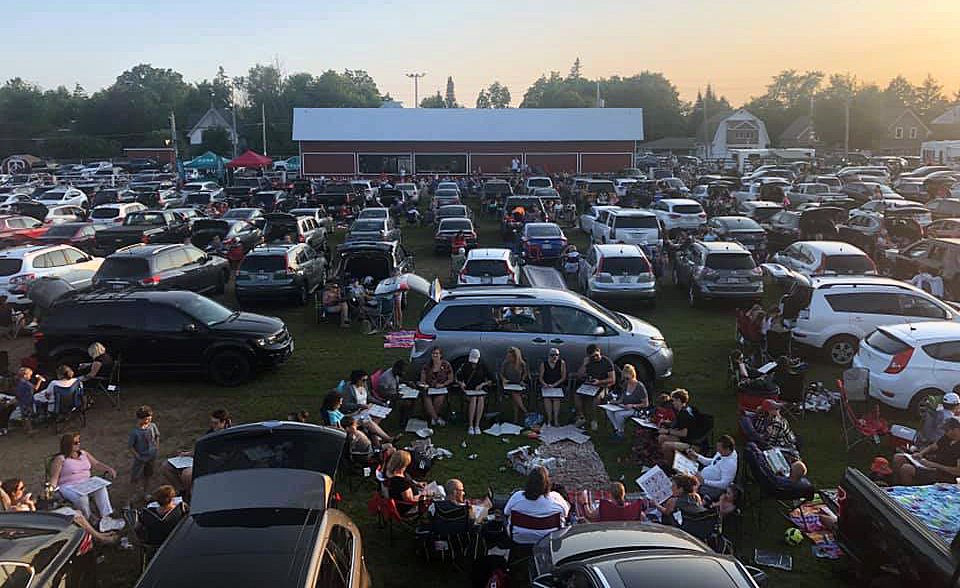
[214, 118]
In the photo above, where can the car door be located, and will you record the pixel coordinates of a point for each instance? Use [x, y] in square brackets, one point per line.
[946, 367]
[171, 339]
[788, 257]
[201, 274]
[587, 262]
[118, 325]
[170, 269]
[571, 330]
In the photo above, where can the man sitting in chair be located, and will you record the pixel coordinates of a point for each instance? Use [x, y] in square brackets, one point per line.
[775, 430]
[939, 462]
[719, 471]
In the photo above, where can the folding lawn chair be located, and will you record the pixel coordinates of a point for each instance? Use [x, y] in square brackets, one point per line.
[109, 385]
[853, 386]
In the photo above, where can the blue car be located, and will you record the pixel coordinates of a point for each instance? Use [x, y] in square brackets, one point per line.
[542, 242]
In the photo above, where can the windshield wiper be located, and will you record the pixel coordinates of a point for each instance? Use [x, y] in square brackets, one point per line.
[231, 316]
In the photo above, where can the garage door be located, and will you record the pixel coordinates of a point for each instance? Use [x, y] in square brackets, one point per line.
[315, 164]
[604, 162]
[492, 163]
[552, 163]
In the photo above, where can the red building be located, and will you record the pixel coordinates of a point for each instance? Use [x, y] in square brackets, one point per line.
[159, 154]
[374, 141]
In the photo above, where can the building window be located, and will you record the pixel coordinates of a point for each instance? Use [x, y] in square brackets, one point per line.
[442, 163]
[913, 132]
[898, 133]
[384, 164]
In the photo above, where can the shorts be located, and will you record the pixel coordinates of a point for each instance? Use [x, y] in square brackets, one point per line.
[142, 470]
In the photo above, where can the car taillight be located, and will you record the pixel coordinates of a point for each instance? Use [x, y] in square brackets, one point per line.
[673, 215]
[302, 238]
[757, 271]
[419, 335]
[119, 219]
[150, 280]
[899, 361]
[145, 239]
[23, 278]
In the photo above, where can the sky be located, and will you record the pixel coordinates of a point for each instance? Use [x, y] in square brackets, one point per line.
[735, 46]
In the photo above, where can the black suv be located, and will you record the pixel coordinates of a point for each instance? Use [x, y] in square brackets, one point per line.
[167, 331]
[165, 266]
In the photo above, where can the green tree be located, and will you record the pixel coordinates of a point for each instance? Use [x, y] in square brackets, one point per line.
[217, 140]
[929, 99]
[451, 99]
[499, 95]
[900, 93]
[715, 105]
[435, 101]
[483, 99]
[575, 70]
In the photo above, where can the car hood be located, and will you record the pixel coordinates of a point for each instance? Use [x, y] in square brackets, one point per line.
[641, 327]
[248, 322]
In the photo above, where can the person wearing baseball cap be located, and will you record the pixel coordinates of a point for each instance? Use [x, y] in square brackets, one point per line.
[776, 432]
[939, 462]
[474, 379]
[933, 423]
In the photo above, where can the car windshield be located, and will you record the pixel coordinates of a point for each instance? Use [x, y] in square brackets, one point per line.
[60, 231]
[848, 264]
[205, 310]
[198, 198]
[601, 187]
[624, 266]
[687, 209]
[52, 195]
[487, 267]
[636, 222]
[238, 213]
[673, 182]
[144, 218]
[543, 231]
[741, 224]
[455, 224]
[10, 266]
[263, 263]
[730, 261]
[765, 213]
[538, 183]
[107, 212]
[367, 225]
[817, 189]
[123, 267]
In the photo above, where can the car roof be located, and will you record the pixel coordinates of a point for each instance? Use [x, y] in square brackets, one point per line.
[722, 247]
[631, 212]
[536, 225]
[275, 248]
[733, 218]
[925, 331]
[949, 240]
[449, 220]
[489, 253]
[855, 281]
[508, 292]
[617, 250]
[653, 567]
[592, 539]
[761, 204]
[832, 247]
[28, 250]
[27, 535]
[675, 201]
[144, 250]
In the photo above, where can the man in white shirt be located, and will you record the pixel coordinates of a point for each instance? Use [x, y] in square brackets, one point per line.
[719, 471]
[537, 500]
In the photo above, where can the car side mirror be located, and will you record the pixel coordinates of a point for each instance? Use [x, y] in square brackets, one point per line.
[190, 328]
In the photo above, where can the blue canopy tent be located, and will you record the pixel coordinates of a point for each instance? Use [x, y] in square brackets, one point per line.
[209, 161]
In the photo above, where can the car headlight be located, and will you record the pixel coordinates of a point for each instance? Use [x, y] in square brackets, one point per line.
[271, 340]
[658, 342]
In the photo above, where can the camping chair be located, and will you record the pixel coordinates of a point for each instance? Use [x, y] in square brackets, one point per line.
[450, 534]
[387, 514]
[109, 385]
[521, 552]
[145, 551]
[68, 403]
[355, 466]
[786, 492]
[853, 386]
[708, 527]
[383, 319]
[748, 336]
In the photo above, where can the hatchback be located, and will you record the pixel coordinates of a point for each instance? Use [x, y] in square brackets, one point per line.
[373, 229]
[106, 214]
[489, 266]
[164, 266]
[63, 195]
[617, 271]
[280, 271]
[450, 228]
[720, 269]
[824, 258]
[680, 214]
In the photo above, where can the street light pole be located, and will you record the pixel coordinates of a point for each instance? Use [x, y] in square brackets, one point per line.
[416, 87]
[846, 128]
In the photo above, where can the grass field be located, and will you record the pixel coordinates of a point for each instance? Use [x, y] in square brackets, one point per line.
[700, 338]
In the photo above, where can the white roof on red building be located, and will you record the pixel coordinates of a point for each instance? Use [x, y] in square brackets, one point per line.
[467, 124]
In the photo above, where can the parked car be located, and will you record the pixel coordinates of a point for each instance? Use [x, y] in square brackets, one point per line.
[865, 191]
[812, 224]
[921, 214]
[834, 313]
[508, 223]
[759, 210]
[910, 362]
[591, 216]
[807, 192]
[231, 232]
[21, 265]
[450, 228]
[677, 214]
[144, 226]
[622, 185]
[164, 266]
[495, 189]
[542, 242]
[718, 270]
[489, 266]
[80, 235]
[410, 191]
[741, 229]
[479, 317]
[164, 332]
[453, 211]
[534, 182]
[44, 550]
[339, 198]
[252, 215]
[374, 212]
[932, 255]
[19, 229]
[243, 189]
[630, 226]
[597, 191]
[633, 554]
[64, 195]
[944, 208]
[819, 258]
[280, 272]
[319, 214]
[373, 229]
[356, 261]
[66, 213]
[945, 227]
[617, 271]
[106, 214]
[300, 229]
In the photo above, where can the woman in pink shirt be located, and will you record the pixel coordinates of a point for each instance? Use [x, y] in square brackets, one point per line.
[72, 466]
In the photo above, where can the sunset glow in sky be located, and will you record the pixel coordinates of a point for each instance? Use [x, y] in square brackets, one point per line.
[737, 46]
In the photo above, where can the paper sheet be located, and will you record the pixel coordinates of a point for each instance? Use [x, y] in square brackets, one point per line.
[614, 408]
[414, 425]
[915, 462]
[551, 392]
[684, 464]
[88, 486]
[656, 485]
[641, 422]
[777, 462]
[376, 411]
[180, 462]
[475, 393]
[566, 433]
[767, 367]
[513, 387]
[504, 429]
[588, 390]
[408, 393]
[436, 391]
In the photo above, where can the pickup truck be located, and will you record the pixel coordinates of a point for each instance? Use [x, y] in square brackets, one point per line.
[148, 226]
[243, 189]
[882, 538]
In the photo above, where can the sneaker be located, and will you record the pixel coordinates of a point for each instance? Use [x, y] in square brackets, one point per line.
[108, 524]
[472, 431]
[594, 426]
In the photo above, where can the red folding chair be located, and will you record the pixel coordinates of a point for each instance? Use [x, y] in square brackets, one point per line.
[870, 425]
[387, 513]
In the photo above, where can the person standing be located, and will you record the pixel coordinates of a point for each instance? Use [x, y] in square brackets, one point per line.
[598, 374]
[143, 444]
[25, 390]
[553, 377]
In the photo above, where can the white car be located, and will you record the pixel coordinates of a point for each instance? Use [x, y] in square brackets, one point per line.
[534, 182]
[364, 187]
[64, 214]
[21, 265]
[410, 191]
[630, 226]
[807, 192]
[621, 185]
[63, 195]
[821, 258]
[95, 167]
[617, 271]
[909, 362]
[448, 186]
[835, 313]
[374, 212]
[489, 266]
[679, 214]
[107, 214]
[590, 216]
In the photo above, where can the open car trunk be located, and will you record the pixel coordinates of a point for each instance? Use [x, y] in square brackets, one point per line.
[204, 230]
[361, 264]
[820, 223]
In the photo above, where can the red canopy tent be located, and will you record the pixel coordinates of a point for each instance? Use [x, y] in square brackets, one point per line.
[251, 159]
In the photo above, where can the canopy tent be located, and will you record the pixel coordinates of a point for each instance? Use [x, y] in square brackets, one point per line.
[251, 159]
[207, 161]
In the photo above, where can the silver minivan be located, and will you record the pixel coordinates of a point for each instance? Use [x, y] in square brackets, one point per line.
[493, 319]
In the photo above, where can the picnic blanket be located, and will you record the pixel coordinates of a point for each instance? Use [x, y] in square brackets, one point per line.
[398, 340]
[807, 518]
[577, 465]
[937, 505]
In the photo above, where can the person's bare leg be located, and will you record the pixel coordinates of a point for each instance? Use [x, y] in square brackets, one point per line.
[518, 406]
[438, 404]
[375, 429]
[186, 479]
[82, 522]
[907, 473]
[797, 471]
[471, 412]
[547, 411]
[428, 406]
[481, 402]
[344, 314]
[556, 412]
[578, 403]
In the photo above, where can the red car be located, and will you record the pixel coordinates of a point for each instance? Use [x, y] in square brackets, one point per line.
[80, 235]
[15, 229]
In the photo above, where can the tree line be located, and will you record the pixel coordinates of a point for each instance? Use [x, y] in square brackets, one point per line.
[135, 110]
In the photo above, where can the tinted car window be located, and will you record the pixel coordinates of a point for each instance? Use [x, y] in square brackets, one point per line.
[263, 263]
[571, 321]
[123, 267]
[466, 318]
[864, 303]
[72, 256]
[543, 231]
[947, 351]
[730, 261]
[107, 212]
[8, 267]
[687, 209]
[486, 267]
[848, 263]
[164, 319]
[917, 306]
[630, 266]
[636, 222]
[273, 449]
[885, 343]
[116, 316]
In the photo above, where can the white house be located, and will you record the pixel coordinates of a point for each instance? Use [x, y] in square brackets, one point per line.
[736, 130]
[940, 152]
[212, 119]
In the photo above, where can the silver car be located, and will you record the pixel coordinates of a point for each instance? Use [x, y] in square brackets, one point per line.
[718, 269]
[617, 271]
[493, 319]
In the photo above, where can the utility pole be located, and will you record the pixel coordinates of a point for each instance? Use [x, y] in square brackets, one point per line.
[416, 87]
[263, 123]
[706, 139]
[233, 109]
[846, 128]
[173, 139]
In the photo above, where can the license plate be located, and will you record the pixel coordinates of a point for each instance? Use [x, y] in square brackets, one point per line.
[486, 280]
[262, 277]
[731, 280]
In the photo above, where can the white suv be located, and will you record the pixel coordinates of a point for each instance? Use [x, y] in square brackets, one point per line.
[107, 214]
[489, 266]
[820, 258]
[680, 213]
[631, 227]
[909, 362]
[835, 313]
[63, 195]
[21, 265]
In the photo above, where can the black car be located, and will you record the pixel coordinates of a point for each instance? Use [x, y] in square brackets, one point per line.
[379, 260]
[812, 224]
[742, 229]
[163, 331]
[273, 201]
[601, 555]
[231, 232]
[163, 266]
[143, 226]
[43, 550]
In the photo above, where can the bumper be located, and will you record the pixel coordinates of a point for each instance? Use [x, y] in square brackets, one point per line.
[643, 291]
[266, 292]
[17, 299]
[662, 362]
[891, 389]
[747, 291]
[270, 357]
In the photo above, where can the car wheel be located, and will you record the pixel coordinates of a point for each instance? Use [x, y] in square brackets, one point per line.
[841, 349]
[644, 371]
[919, 397]
[230, 368]
[693, 298]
